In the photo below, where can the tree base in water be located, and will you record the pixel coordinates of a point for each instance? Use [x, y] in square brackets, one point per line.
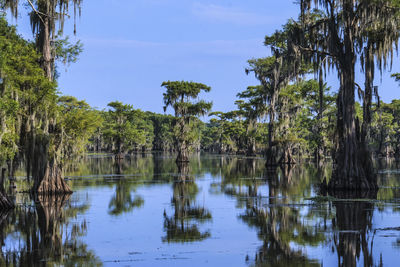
[353, 184]
[287, 158]
[340, 186]
[353, 169]
[52, 183]
[354, 177]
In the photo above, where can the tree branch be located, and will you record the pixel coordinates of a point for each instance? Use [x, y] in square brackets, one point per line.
[40, 14]
[36, 11]
[320, 53]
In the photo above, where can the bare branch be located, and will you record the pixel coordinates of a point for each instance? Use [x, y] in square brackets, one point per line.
[40, 14]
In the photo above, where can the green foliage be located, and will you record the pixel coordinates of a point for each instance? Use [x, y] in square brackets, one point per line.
[23, 86]
[297, 124]
[385, 129]
[79, 122]
[396, 76]
[224, 136]
[31, 111]
[180, 96]
[163, 133]
[127, 129]
[67, 52]
[316, 129]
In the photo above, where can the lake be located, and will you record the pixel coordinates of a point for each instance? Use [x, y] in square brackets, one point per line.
[217, 211]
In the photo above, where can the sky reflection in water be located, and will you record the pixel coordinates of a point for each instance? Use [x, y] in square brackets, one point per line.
[219, 210]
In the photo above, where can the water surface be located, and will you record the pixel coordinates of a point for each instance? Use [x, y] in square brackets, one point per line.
[219, 211]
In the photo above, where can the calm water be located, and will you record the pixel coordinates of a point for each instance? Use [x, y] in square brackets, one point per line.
[219, 211]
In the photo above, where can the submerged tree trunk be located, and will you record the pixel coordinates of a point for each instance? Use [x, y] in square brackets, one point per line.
[47, 172]
[46, 169]
[183, 149]
[53, 181]
[182, 154]
[287, 156]
[183, 171]
[181, 142]
[352, 169]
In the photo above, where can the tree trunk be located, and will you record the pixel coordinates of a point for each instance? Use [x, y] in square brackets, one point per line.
[181, 139]
[182, 154]
[45, 168]
[52, 182]
[251, 151]
[44, 45]
[319, 153]
[367, 103]
[46, 172]
[352, 168]
[183, 171]
[287, 156]
[271, 150]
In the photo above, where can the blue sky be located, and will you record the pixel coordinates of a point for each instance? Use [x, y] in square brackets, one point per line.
[132, 46]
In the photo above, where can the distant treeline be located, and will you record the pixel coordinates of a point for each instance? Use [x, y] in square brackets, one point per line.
[286, 117]
[123, 129]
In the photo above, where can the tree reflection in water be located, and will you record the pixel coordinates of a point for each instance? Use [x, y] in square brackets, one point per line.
[273, 205]
[353, 221]
[183, 225]
[122, 201]
[281, 204]
[43, 235]
[278, 222]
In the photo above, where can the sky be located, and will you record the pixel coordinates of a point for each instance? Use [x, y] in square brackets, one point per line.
[132, 46]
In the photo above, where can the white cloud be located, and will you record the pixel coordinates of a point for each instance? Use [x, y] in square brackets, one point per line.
[216, 13]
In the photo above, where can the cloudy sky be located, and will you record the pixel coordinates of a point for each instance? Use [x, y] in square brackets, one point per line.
[132, 46]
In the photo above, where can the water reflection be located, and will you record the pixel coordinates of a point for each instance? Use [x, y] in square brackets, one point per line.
[184, 224]
[282, 204]
[122, 200]
[354, 237]
[287, 227]
[44, 235]
[280, 224]
[289, 222]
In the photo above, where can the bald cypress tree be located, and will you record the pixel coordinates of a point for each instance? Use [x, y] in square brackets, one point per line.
[47, 19]
[180, 95]
[336, 34]
[275, 73]
[41, 134]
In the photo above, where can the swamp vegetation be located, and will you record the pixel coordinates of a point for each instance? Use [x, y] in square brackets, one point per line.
[309, 168]
[287, 118]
